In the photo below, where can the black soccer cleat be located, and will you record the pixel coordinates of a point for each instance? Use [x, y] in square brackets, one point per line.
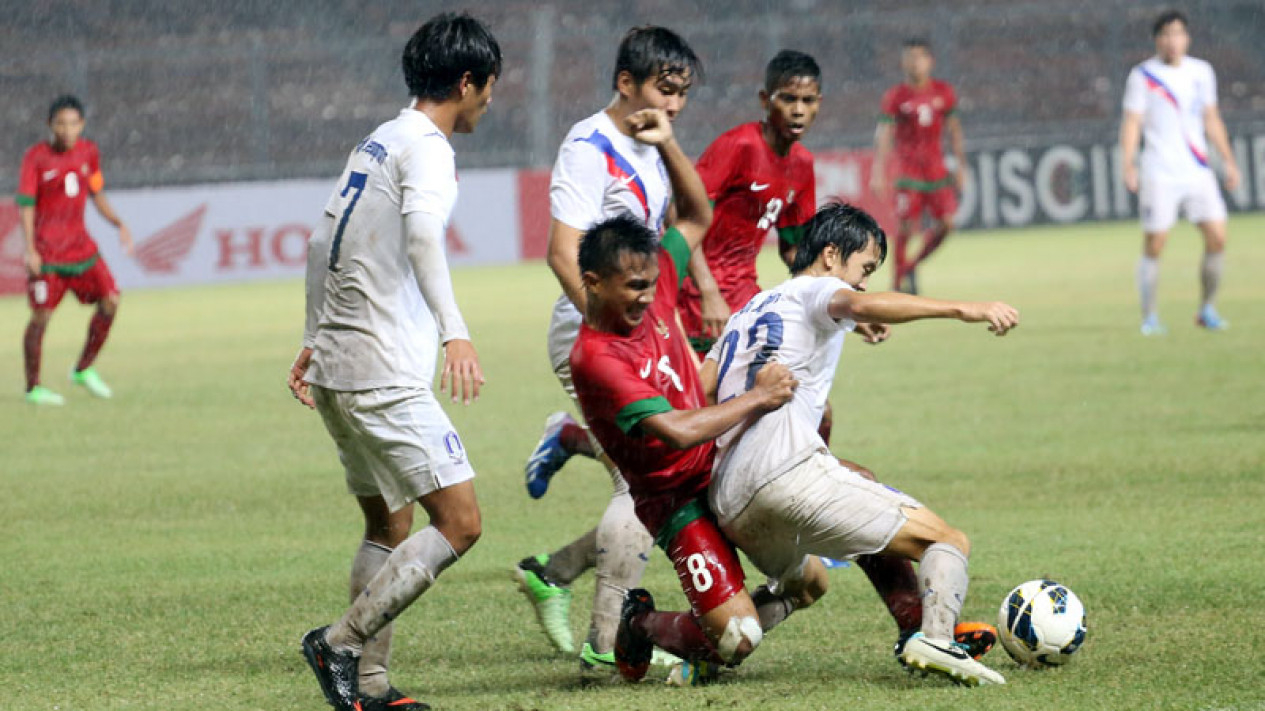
[337, 672]
[633, 649]
[395, 700]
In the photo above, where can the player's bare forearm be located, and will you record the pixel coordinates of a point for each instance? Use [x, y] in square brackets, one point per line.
[1130, 138]
[564, 260]
[714, 310]
[882, 149]
[707, 373]
[958, 145]
[106, 210]
[892, 307]
[1214, 127]
[26, 215]
[682, 429]
[693, 209]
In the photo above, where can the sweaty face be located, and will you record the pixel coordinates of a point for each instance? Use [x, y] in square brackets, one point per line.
[793, 107]
[623, 296]
[917, 63]
[668, 91]
[67, 126]
[1172, 41]
[473, 106]
[858, 267]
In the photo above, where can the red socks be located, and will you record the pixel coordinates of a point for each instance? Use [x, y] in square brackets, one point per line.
[32, 352]
[98, 330]
[678, 633]
[575, 440]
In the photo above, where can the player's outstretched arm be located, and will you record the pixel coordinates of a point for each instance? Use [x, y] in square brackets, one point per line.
[682, 429]
[693, 209]
[107, 211]
[425, 238]
[892, 307]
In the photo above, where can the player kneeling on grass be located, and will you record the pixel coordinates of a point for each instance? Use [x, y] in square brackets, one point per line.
[640, 392]
[375, 265]
[779, 494]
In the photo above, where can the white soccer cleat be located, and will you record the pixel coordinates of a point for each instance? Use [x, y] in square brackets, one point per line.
[945, 658]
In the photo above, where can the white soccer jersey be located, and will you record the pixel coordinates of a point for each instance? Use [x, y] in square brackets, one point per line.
[601, 173]
[791, 325]
[1171, 101]
[375, 329]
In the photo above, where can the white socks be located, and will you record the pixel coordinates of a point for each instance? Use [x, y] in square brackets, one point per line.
[1148, 282]
[376, 656]
[1210, 275]
[942, 576]
[623, 547]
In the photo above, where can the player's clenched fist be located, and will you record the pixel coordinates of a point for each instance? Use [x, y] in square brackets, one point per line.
[776, 386]
[650, 126]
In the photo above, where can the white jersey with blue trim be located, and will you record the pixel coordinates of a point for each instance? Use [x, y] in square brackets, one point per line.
[601, 173]
[1171, 100]
[375, 329]
[791, 325]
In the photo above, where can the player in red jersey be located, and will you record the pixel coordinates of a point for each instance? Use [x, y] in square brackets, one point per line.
[760, 177]
[914, 114]
[56, 179]
[636, 381]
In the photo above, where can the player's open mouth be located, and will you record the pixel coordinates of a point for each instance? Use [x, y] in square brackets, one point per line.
[795, 128]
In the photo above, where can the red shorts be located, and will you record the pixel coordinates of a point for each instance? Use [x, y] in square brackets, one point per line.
[93, 285]
[941, 203]
[707, 565]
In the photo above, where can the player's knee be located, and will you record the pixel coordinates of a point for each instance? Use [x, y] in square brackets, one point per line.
[462, 528]
[109, 305]
[739, 639]
[41, 317]
[946, 225]
[957, 539]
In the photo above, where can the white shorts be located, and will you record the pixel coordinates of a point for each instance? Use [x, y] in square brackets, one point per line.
[396, 443]
[1160, 200]
[818, 508]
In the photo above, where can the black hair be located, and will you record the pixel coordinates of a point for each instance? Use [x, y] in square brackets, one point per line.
[1166, 18]
[787, 65]
[443, 50]
[845, 226]
[602, 244]
[650, 51]
[65, 101]
[916, 43]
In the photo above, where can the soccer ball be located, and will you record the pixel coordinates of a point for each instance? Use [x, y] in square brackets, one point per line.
[1041, 623]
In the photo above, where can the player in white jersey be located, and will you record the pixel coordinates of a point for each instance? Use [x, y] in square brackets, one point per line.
[602, 171]
[778, 493]
[379, 303]
[1170, 102]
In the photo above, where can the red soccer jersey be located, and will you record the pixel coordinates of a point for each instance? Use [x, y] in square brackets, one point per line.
[754, 190]
[57, 184]
[919, 116]
[622, 380]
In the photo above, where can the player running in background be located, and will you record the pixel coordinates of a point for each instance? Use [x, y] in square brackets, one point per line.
[56, 179]
[780, 495]
[379, 303]
[602, 171]
[759, 177]
[914, 113]
[639, 389]
[1171, 99]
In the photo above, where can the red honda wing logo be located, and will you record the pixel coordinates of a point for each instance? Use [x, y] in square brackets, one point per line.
[161, 252]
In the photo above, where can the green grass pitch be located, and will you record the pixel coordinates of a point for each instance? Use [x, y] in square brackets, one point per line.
[166, 549]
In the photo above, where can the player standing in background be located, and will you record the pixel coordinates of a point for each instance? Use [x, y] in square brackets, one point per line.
[56, 179]
[759, 177]
[914, 113]
[1171, 99]
[603, 171]
[379, 303]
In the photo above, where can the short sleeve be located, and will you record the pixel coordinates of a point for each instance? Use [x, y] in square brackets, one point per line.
[96, 181]
[1135, 92]
[718, 165]
[817, 298]
[578, 185]
[428, 178]
[887, 108]
[28, 179]
[601, 377]
[1208, 87]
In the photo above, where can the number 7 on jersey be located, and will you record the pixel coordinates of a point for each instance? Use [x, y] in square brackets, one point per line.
[355, 181]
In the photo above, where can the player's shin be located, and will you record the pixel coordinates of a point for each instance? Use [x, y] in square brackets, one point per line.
[942, 573]
[623, 547]
[570, 561]
[32, 351]
[1210, 275]
[375, 659]
[678, 633]
[894, 580]
[98, 331]
[407, 573]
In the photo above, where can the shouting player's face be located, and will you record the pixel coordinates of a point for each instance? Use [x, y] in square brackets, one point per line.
[67, 126]
[619, 300]
[858, 267]
[917, 64]
[793, 107]
[474, 103]
[669, 91]
[1172, 42]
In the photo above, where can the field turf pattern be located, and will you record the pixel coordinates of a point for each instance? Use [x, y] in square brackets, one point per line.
[167, 549]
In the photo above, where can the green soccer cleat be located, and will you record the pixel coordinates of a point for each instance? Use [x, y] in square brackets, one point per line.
[551, 602]
[92, 382]
[592, 661]
[40, 395]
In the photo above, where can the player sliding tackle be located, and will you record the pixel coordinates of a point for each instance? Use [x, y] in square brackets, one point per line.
[777, 492]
